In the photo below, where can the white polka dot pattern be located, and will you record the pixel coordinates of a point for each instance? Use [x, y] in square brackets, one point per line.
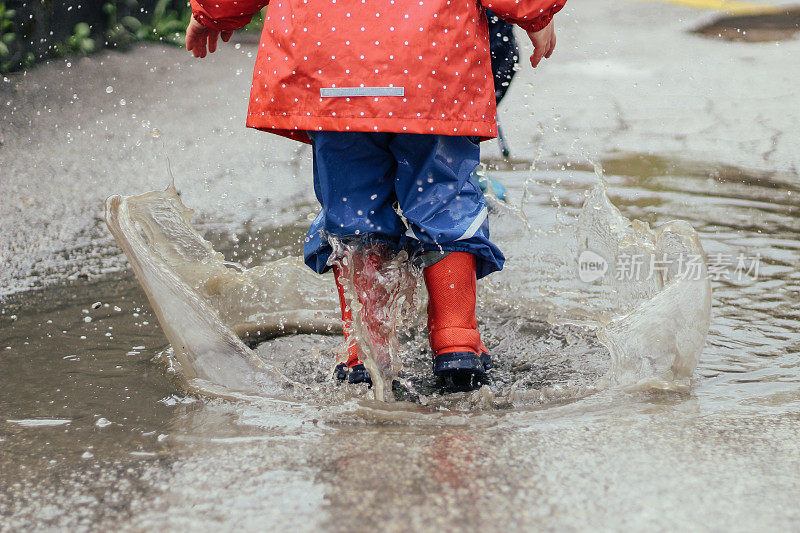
[437, 51]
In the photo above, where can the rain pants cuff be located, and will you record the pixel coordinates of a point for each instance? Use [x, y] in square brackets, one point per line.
[488, 258]
[319, 256]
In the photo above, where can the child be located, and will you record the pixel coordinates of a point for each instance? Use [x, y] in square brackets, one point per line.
[394, 96]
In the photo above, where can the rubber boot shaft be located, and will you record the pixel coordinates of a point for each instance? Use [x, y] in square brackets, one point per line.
[452, 287]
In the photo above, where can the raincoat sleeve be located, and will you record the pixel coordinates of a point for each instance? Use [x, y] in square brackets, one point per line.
[530, 15]
[226, 15]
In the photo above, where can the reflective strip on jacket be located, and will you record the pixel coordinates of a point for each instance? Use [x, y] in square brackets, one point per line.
[404, 66]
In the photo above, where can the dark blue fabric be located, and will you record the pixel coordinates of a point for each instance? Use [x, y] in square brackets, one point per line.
[504, 53]
[359, 179]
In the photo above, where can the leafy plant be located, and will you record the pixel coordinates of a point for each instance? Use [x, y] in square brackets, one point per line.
[120, 31]
[166, 25]
[81, 41]
[7, 35]
[257, 22]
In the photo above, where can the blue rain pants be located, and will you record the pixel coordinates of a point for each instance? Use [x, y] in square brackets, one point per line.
[410, 191]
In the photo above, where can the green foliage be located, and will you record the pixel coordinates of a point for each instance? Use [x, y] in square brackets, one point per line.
[167, 25]
[59, 49]
[7, 36]
[257, 23]
[119, 32]
[28, 60]
[81, 41]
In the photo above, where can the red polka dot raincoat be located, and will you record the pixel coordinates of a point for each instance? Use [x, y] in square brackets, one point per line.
[413, 66]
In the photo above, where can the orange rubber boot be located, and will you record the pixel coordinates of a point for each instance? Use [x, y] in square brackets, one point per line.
[347, 320]
[452, 326]
[353, 370]
[364, 272]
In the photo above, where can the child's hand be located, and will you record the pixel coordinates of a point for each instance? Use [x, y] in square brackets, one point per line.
[544, 42]
[197, 36]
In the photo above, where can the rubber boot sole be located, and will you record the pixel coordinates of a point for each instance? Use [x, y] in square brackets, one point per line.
[355, 374]
[462, 369]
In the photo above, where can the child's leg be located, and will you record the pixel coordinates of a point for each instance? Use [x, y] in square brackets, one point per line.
[452, 324]
[354, 183]
[359, 276]
[440, 199]
[447, 217]
[347, 319]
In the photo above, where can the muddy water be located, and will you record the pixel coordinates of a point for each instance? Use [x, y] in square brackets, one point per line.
[96, 432]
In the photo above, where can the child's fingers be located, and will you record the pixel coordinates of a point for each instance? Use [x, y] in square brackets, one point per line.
[538, 53]
[191, 45]
[195, 42]
[212, 41]
[552, 47]
[195, 38]
[199, 48]
[189, 37]
[191, 40]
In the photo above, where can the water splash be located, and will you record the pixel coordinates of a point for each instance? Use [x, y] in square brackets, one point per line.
[648, 301]
[653, 325]
[662, 294]
[379, 288]
[207, 306]
[663, 313]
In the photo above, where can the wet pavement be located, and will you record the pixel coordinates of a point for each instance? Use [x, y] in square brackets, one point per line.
[755, 28]
[96, 434]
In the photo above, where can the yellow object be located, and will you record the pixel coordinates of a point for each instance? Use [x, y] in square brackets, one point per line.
[731, 6]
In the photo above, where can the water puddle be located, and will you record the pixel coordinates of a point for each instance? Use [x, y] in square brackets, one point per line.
[653, 320]
[225, 381]
[769, 23]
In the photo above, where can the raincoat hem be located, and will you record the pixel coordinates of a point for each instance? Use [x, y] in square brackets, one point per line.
[294, 127]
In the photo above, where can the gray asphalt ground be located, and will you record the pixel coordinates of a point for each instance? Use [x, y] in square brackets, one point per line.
[627, 78]
[628, 82]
